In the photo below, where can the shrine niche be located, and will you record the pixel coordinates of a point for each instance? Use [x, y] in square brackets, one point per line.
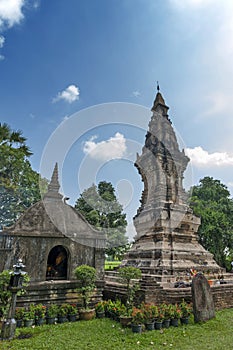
[52, 239]
[57, 263]
[166, 242]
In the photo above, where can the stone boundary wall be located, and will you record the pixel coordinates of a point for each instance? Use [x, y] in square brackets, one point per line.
[222, 295]
[152, 292]
[56, 292]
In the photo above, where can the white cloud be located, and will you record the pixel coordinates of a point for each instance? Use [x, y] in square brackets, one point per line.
[2, 57]
[114, 147]
[2, 41]
[136, 93]
[202, 158]
[70, 94]
[11, 12]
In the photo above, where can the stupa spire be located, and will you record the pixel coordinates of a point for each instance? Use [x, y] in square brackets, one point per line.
[54, 185]
[159, 101]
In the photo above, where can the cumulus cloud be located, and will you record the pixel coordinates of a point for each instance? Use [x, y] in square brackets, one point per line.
[202, 158]
[114, 147]
[70, 94]
[11, 12]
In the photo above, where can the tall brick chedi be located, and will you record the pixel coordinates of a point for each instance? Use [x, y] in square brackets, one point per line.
[167, 241]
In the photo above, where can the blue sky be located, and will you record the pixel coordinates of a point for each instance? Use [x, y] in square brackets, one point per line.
[61, 57]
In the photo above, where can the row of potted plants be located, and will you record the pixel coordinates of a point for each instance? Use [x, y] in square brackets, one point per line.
[86, 276]
[149, 315]
[39, 314]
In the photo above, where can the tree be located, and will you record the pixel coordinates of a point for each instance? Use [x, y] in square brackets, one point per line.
[14, 152]
[127, 274]
[100, 207]
[19, 183]
[211, 201]
[86, 276]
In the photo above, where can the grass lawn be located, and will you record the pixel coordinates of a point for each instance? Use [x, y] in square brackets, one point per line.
[106, 334]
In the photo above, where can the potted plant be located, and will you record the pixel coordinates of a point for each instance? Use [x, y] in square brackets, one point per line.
[19, 312]
[86, 276]
[117, 310]
[100, 309]
[137, 320]
[126, 317]
[72, 312]
[40, 312]
[128, 276]
[29, 315]
[62, 314]
[186, 310]
[175, 315]
[166, 310]
[149, 315]
[51, 313]
[159, 317]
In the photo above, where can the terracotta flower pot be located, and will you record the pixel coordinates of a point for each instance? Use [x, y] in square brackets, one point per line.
[125, 321]
[87, 315]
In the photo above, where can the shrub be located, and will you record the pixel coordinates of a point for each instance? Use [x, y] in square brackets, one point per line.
[63, 310]
[52, 310]
[40, 311]
[137, 316]
[186, 309]
[86, 276]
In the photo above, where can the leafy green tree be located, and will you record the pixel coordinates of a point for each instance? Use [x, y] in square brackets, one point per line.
[19, 183]
[100, 207]
[211, 201]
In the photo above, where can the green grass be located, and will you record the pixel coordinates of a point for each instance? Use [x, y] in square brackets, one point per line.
[109, 265]
[105, 334]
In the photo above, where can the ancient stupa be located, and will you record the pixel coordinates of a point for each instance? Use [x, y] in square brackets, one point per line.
[167, 241]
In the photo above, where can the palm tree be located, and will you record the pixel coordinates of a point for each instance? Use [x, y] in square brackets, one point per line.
[14, 151]
[13, 139]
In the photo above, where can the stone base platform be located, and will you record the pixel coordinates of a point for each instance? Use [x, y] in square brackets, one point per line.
[58, 292]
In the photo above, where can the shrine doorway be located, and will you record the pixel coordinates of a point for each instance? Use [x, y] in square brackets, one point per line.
[57, 263]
